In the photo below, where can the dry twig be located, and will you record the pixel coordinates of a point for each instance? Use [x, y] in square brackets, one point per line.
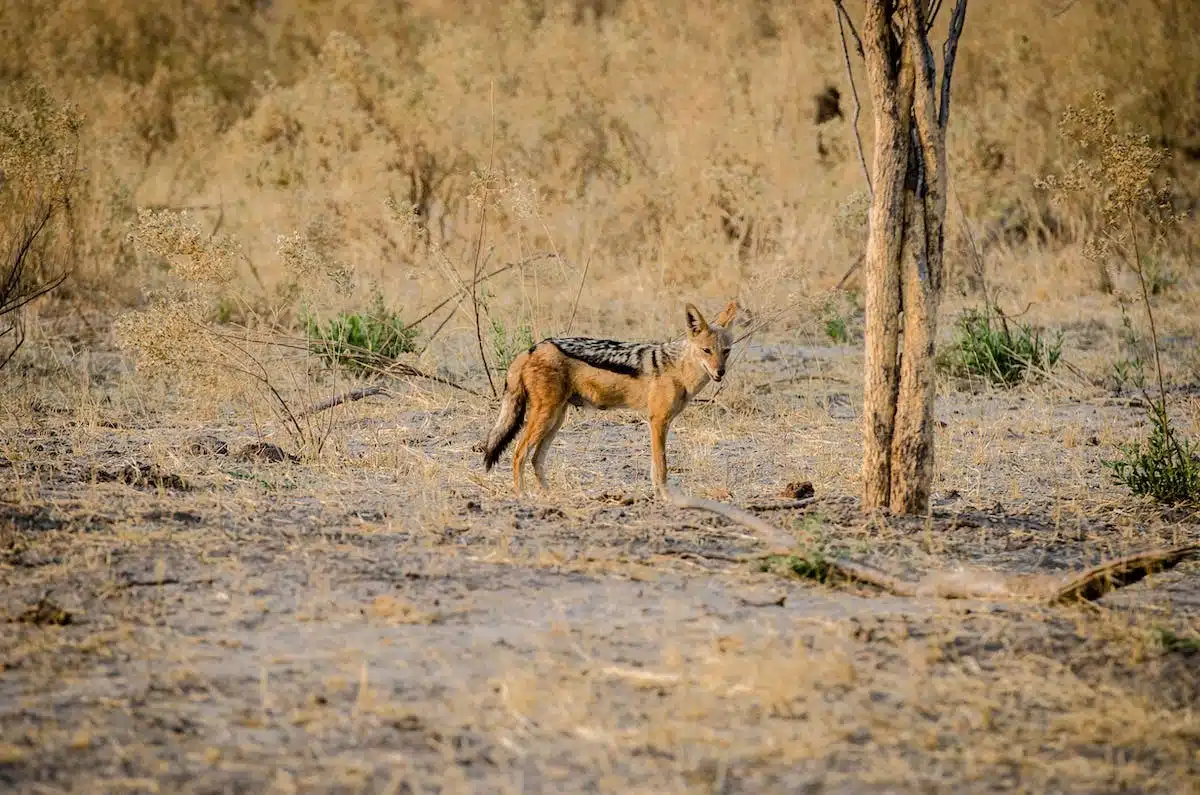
[844, 22]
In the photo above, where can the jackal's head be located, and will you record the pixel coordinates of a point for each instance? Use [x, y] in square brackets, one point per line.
[711, 343]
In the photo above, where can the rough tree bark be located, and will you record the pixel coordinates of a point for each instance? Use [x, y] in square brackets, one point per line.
[904, 246]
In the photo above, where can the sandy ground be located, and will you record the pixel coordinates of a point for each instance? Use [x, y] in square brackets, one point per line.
[390, 619]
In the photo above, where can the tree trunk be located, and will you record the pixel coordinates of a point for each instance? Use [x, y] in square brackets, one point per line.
[891, 98]
[904, 250]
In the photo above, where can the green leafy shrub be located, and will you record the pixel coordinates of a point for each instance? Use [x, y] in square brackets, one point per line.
[1164, 466]
[361, 341]
[835, 329]
[992, 348]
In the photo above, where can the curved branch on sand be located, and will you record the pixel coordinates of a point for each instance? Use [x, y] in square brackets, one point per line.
[1084, 586]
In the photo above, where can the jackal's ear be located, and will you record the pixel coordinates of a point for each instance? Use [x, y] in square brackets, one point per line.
[695, 321]
[727, 315]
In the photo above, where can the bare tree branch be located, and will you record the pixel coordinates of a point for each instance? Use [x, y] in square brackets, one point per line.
[842, 14]
[433, 334]
[844, 21]
[766, 532]
[496, 272]
[931, 12]
[346, 397]
[16, 291]
[1087, 585]
[949, 53]
[1064, 8]
[1091, 584]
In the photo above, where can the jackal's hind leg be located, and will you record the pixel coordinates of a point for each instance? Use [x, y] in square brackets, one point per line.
[538, 423]
[543, 446]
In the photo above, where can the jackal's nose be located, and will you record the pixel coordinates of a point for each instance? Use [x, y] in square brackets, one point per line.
[720, 374]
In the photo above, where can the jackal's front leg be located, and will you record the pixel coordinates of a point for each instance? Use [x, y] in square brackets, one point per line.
[659, 424]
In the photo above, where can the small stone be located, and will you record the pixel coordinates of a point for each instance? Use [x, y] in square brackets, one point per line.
[798, 490]
[207, 444]
[265, 451]
[45, 612]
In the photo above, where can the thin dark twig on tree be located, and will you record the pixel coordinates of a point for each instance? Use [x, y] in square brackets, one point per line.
[843, 14]
[14, 295]
[949, 52]
[931, 12]
[37, 293]
[844, 22]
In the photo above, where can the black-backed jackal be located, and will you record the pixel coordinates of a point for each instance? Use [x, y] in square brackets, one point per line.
[656, 378]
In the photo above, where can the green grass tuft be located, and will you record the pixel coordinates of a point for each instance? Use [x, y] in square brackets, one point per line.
[361, 341]
[989, 347]
[1164, 466]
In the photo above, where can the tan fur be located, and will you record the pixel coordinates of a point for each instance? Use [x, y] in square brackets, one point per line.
[548, 381]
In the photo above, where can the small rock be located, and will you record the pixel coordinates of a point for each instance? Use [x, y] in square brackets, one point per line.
[43, 613]
[265, 451]
[797, 490]
[407, 723]
[141, 475]
[207, 444]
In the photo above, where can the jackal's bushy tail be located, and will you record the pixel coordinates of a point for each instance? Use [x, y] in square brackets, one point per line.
[512, 417]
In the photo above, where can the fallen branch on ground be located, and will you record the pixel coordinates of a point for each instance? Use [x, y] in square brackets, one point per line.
[781, 505]
[346, 397]
[395, 369]
[1084, 586]
[765, 532]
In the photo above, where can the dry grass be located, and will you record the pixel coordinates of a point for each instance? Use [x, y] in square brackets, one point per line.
[381, 616]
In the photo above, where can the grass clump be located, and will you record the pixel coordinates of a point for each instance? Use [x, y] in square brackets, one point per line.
[361, 341]
[987, 346]
[508, 343]
[1171, 641]
[1164, 466]
[812, 565]
[835, 329]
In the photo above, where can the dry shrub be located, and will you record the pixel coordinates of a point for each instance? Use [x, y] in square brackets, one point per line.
[39, 176]
[182, 334]
[673, 146]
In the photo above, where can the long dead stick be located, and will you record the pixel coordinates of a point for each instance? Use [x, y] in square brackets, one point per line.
[345, 397]
[1085, 586]
[394, 369]
[1091, 584]
[766, 532]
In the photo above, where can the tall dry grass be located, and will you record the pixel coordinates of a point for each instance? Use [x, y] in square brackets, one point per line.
[670, 148]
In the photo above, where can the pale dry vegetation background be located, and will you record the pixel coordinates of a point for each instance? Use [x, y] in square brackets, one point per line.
[228, 185]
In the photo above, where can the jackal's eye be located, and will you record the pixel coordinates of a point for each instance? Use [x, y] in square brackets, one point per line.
[707, 351]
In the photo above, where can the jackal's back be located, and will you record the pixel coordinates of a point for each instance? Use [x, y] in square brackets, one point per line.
[626, 358]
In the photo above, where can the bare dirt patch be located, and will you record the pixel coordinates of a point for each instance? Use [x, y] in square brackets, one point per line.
[388, 619]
